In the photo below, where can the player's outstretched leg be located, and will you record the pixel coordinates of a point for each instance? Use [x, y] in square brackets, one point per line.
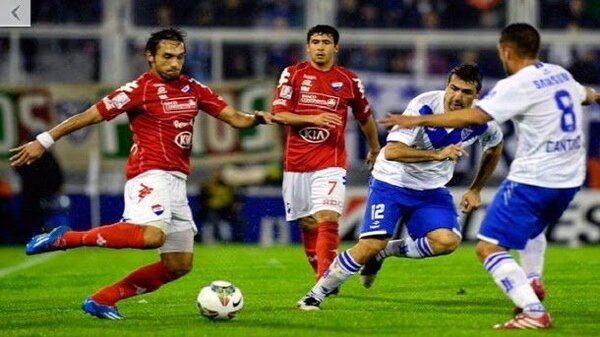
[46, 242]
[118, 235]
[100, 310]
[143, 280]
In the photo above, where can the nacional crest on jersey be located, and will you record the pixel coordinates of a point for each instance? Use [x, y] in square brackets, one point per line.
[336, 86]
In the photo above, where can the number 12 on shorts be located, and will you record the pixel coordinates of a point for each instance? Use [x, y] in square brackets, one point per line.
[377, 211]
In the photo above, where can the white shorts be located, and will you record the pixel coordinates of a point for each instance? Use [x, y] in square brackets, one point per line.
[158, 195]
[305, 193]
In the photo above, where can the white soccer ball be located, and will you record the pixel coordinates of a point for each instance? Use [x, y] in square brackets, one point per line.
[220, 300]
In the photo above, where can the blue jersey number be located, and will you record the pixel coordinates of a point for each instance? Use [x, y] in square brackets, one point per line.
[565, 104]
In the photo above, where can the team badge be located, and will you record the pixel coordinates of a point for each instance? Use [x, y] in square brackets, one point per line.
[158, 209]
[185, 89]
[465, 133]
[337, 85]
[286, 92]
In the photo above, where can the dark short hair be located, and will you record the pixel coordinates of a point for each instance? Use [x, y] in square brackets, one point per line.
[467, 72]
[524, 37]
[323, 30]
[172, 34]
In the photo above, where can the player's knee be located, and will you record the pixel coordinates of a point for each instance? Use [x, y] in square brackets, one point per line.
[483, 249]
[154, 236]
[181, 269]
[327, 216]
[443, 241]
[307, 223]
[178, 267]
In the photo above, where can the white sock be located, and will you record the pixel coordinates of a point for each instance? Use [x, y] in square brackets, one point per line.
[509, 276]
[339, 271]
[532, 257]
[407, 247]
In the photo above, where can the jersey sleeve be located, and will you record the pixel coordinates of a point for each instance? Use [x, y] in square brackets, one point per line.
[126, 97]
[504, 101]
[492, 136]
[360, 106]
[208, 100]
[284, 93]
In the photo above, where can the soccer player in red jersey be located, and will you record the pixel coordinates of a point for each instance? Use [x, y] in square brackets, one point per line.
[161, 105]
[312, 99]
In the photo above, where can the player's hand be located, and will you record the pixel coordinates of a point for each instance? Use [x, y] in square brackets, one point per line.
[371, 156]
[405, 122]
[327, 119]
[26, 153]
[470, 201]
[263, 117]
[452, 152]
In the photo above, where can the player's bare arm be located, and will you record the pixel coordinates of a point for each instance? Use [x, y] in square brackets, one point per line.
[452, 119]
[471, 199]
[241, 120]
[591, 96]
[32, 151]
[401, 152]
[369, 129]
[324, 119]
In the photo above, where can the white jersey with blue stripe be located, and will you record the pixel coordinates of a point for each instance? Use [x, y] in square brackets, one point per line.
[544, 102]
[430, 174]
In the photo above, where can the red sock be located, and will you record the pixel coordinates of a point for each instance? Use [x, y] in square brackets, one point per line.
[328, 242]
[118, 235]
[144, 280]
[309, 240]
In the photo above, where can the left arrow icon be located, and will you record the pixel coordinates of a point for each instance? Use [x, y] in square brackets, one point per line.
[14, 12]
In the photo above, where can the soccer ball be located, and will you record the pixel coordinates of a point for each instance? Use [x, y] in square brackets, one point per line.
[220, 300]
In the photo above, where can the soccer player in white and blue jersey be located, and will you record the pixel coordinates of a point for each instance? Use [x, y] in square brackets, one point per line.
[408, 182]
[544, 102]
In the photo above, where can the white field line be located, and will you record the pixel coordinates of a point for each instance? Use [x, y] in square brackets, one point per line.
[28, 263]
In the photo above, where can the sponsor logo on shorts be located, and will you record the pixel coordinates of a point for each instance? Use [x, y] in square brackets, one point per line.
[319, 100]
[158, 209]
[181, 104]
[184, 140]
[314, 134]
[333, 202]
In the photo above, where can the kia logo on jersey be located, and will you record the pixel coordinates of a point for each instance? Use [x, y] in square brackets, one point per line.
[184, 140]
[314, 134]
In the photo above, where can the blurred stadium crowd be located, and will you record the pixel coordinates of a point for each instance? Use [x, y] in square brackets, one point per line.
[564, 15]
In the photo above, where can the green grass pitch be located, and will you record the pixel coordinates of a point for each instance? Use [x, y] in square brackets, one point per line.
[41, 295]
